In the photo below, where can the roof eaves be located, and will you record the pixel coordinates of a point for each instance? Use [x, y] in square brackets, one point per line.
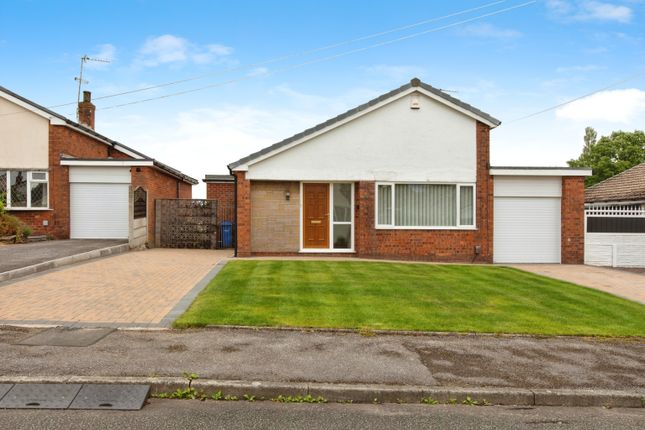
[413, 83]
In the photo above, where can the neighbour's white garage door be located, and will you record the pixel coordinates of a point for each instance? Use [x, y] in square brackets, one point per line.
[527, 220]
[99, 203]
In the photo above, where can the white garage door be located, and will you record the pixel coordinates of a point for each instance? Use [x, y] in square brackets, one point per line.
[526, 230]
[99, 203]
[527, 219]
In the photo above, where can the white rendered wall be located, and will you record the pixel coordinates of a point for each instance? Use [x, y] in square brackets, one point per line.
[393, 143]
[24, 138]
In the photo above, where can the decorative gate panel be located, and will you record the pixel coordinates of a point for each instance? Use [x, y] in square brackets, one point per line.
[186, 223]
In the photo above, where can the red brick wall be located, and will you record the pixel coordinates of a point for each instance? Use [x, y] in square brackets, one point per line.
[431, 245]
[63, 140]
[158, 186]
[573, 220]
[243, 215]
[224, 193]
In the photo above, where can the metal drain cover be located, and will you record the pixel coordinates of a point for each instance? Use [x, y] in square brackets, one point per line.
[4, 389]
[40, 396]
[66, 336]
[111, 396]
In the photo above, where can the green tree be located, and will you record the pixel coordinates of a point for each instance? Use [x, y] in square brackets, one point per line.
[611, 154]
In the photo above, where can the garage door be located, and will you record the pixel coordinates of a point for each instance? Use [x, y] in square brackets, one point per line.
[527, 219]
[99, 203]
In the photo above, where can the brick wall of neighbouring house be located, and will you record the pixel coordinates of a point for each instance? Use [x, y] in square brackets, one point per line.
[224, 193]
[63, 140]
[243, 207]
[158, 185]
[431, 245]
[275, 221]
[573, 220]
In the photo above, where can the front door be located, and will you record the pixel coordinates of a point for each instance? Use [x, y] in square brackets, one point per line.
[315, 215]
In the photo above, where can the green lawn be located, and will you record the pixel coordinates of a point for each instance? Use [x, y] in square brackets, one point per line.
[408, 297]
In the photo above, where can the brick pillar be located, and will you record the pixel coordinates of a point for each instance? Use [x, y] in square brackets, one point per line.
[484, 200]
[243, 215]
[573, 220]
[364, 192]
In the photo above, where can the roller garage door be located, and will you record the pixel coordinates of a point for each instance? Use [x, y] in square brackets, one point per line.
[99, 203]
[527, 220]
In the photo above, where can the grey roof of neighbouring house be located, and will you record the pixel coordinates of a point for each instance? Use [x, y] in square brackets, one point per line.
[624, 187]
[73, 124]
[219, 178]
[413, 83]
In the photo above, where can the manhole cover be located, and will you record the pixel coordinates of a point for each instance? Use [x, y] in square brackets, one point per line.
[66, 336]
[111, 396]
[40, 396]
[4, 389]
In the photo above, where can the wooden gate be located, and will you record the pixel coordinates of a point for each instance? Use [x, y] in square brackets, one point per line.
[186, 223]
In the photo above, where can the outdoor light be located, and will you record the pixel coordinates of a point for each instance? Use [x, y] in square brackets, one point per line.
[287, 195]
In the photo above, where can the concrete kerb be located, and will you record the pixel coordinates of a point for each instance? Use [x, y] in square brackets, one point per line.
[64, 261]
[366, 393]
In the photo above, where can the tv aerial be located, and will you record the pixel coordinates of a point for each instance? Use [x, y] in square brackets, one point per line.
[84, 59]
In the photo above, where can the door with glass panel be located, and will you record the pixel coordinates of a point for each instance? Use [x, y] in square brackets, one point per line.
[315, 215]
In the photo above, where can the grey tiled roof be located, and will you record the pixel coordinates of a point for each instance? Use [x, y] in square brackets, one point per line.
[413, 83]
[219, 178]
[626, 186]
[91, 132]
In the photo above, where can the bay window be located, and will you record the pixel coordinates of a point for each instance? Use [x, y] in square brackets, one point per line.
[24, 189]
[419, 205]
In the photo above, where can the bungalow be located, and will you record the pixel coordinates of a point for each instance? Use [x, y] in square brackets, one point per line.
[406, 176]
[66, 180]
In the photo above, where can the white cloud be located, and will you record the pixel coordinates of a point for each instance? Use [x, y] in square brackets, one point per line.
[171, 49]
[163, 49]
[589, 11]
[258, 71]
[105, 52]
[595, 10]
[489, 31]
[617, 106]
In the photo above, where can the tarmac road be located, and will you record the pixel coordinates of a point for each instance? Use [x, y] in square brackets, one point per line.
[193, 414]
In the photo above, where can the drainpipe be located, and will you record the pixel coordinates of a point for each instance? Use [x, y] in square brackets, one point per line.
[234, 209]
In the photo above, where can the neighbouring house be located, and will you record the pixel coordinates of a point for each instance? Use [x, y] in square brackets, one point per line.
[65, 180]
[406, 176]
[615, 220]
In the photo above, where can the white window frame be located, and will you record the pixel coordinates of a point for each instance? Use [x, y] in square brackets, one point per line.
[457, 226]
[30, 180]
[331, 248]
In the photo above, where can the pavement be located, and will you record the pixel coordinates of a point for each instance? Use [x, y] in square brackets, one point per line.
[622, 283]
[287, 356]
[17, 256]
[135, 289]
[173, 414]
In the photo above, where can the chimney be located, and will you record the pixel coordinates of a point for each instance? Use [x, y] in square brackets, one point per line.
[86, 110]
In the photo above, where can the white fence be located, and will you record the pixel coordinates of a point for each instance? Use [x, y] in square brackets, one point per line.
[615, 235]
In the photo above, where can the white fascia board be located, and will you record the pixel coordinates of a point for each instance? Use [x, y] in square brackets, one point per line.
[245, 167]
[106, 163]
[52, 119]
[540, 172]
[453, 106]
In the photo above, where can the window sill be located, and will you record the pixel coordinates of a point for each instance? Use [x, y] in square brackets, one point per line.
[326, 251]
[426, 228]
[27, 209]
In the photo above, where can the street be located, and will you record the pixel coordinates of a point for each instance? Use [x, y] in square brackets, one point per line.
[171, 414]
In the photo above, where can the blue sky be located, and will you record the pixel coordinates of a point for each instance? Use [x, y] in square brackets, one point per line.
[510, 65]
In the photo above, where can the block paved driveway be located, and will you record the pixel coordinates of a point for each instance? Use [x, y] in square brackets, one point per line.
[136, 289]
